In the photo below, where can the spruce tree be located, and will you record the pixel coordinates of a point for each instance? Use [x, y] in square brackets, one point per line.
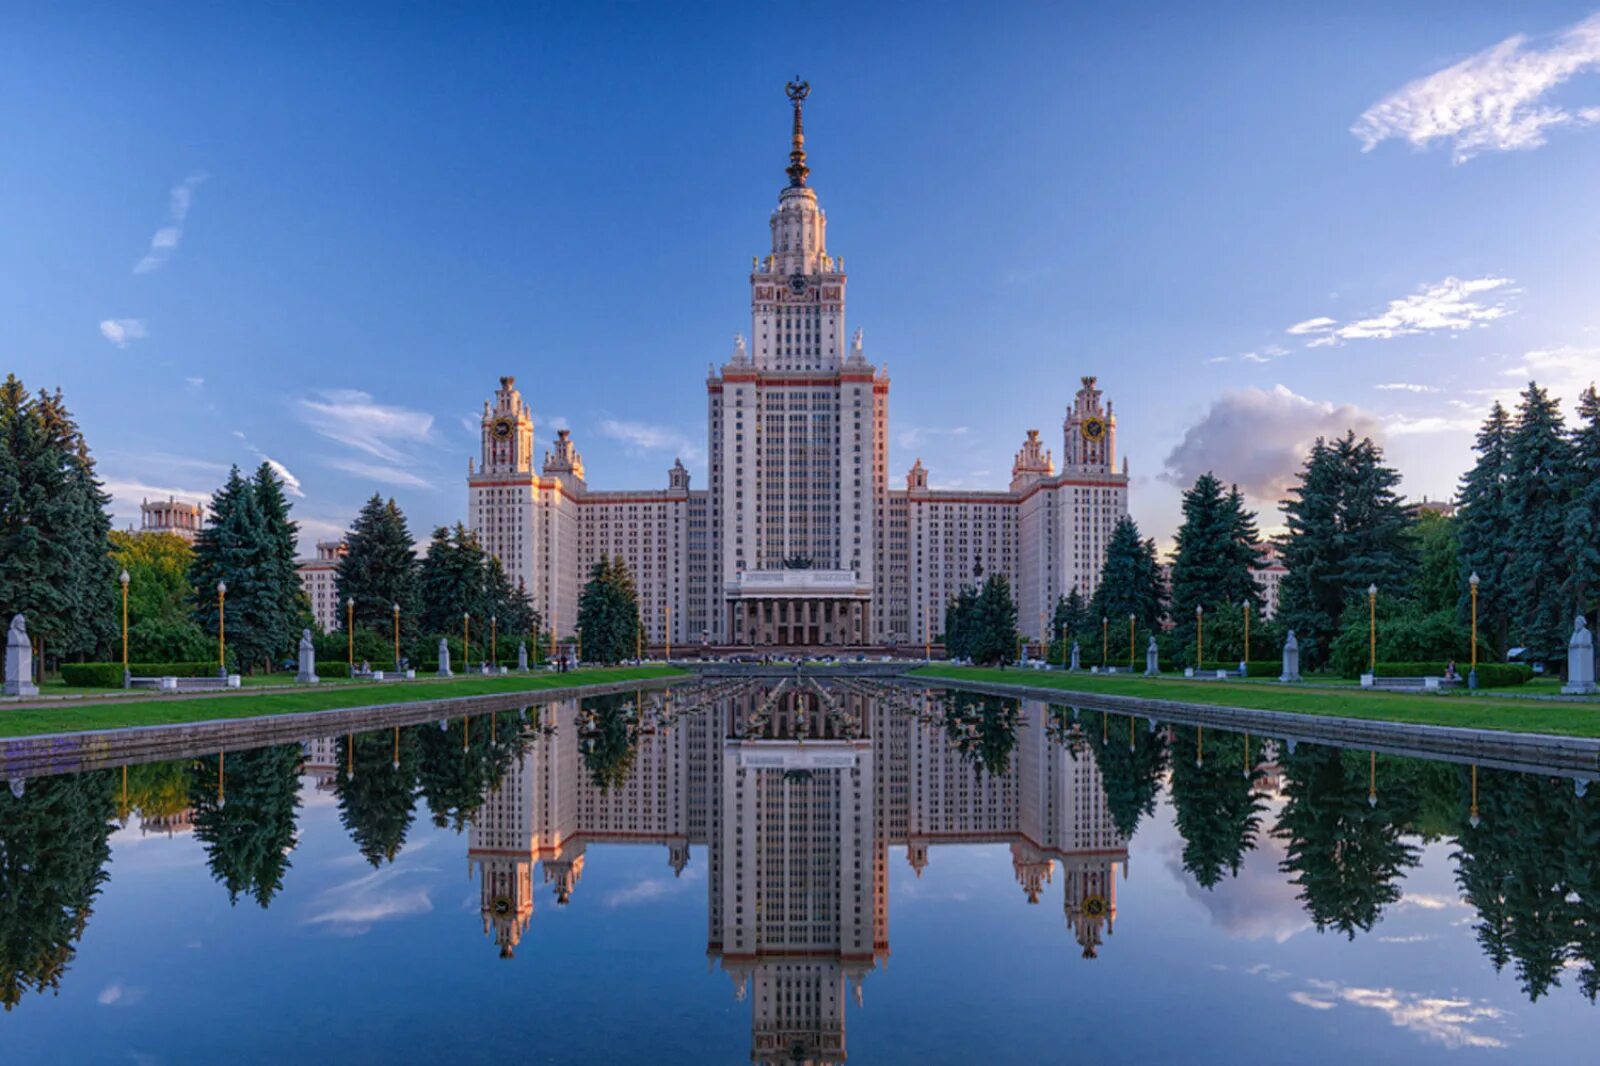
[380, 570]
[1217, 548]
[232, 548]
[283, 599]
[1538, 487]
[451, 580]
[608, 612]
[1483, 526]
[1347, 529]
[1581, 528]
[90, 628]
[1071, 619]
[35, 558]
[1130, 583]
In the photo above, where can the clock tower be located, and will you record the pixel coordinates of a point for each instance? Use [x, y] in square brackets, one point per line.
[507, 432]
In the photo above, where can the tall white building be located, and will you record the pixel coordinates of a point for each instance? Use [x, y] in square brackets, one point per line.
[798, 540]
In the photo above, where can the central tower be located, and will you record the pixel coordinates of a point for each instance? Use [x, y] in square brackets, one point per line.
[797, 443]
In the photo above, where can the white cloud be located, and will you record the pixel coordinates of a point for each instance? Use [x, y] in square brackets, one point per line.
[353, 907]
[291, 484]
[1451, 1023]
[195, 382]
[650, 889]
[1265, 355]
[1258, 439]
[1312, 325]
[1453, 304]
[1564, 372]
[117, 995]
[1402, 426]
[165, 241]
[1403, 386]
[1495, 100]
[643, 437]
[381, 473]
[120, 331]
[912, 436]
[355, 419]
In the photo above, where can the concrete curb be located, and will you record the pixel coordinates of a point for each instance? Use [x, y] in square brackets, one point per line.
[1529, 752]
[64, 753]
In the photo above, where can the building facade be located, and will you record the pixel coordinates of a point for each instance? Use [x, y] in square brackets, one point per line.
[172, 515]
[798, 540]
[319, 577]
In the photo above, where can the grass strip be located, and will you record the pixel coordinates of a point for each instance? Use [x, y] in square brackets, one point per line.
[74, 717]
[1467, 711]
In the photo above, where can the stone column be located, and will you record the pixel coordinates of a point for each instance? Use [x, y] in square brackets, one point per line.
[19, 660]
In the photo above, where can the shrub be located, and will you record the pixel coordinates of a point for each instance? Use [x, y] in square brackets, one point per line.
[1490, 675]
[335, 669]
[109, 675]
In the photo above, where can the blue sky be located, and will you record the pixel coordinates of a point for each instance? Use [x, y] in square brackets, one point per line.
[320, 236]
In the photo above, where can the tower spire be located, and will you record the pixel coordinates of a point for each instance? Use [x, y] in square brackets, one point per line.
[797, 92]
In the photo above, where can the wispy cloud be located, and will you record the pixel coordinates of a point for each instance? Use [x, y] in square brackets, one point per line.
[643, 437]
[1280, 426]
[1403, 386]
[195, 382]
[353, 907]
[381, 473]
[1453, 305]
[120, 331]
[1451, 1023]
[353, 418]
[179, 199]
[1564, 371]
[916, 436]
[291, 484]
[1495, 100]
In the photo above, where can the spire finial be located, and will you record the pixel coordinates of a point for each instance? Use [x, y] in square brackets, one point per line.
[797, 92]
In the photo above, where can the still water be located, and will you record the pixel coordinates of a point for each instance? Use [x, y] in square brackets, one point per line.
[795, 872]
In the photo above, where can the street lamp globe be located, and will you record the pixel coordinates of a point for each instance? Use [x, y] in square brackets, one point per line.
[124, 579]
[1473, 580]
[1198, 611]
[222, 588]
[1372, 590]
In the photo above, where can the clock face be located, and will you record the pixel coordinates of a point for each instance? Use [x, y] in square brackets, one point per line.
[502, 428]
[1093, 429]
[501, 905]
[797, 284]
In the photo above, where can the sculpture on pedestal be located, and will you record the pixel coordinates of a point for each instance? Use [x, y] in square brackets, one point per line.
[1580, 661]
[1291, 659]
[444, 658]
[308, 660]
[19, 660]
[522, 658]
[1152, 659]
[1075, 665]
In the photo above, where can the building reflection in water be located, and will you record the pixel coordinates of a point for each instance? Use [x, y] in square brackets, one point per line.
[797, 793]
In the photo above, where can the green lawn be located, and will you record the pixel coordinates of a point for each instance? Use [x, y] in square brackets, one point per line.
[1470, 711]
[76, 716]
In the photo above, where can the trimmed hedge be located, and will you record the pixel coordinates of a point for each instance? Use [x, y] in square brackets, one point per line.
[333, 669]
[109, 675]
[1490, 675]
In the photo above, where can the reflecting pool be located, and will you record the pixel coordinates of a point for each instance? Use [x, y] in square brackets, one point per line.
[793, 871]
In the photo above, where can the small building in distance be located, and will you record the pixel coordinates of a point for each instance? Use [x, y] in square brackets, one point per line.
[1268, 574]
[172, 515]
[317, 577]
[1442, 508]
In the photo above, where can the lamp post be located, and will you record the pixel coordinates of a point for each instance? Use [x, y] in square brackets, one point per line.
[1131, 621]
[397, 637]
[126, 676]
[1105, 640]
[1472, 674]
[1372, 629]
[494, 642]
[466, 634]
[222, 628]
[1199, 635]
[350, 633]
[1245, 606]
[669, 632]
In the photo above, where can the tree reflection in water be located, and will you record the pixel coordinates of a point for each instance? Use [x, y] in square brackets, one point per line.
[1132, 759]
[244, 813]
[460, 763]
[1215, 805]
[983, 729]
[608, 733]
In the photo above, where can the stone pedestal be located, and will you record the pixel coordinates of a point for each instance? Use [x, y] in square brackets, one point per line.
[19, 660]
[1291, 659]
[444, 658]
[1075, 665]
[1152, 659]
[308, 660]
[1580, 661]
[522, 658]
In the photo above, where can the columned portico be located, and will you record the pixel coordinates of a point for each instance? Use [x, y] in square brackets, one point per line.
[799, 608]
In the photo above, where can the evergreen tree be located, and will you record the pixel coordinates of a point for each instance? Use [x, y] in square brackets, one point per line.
[1347, 529]
[1132, 761]
[54, 845]
[1438, 583]
[463, 762]
[1215, 805]
[608, 612]
[231, 548]
[1343, 822]
[91, 627]
[35, 553]
[161, 626]
[1581, 529]
[376, 803]
[1218, 546]
[1483, 523]
[1539, 484]
[1071, 618]
[284, 603]
[380, 570]
[244, 813]
[608, 738]
[1130, 583]
[983, 729]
